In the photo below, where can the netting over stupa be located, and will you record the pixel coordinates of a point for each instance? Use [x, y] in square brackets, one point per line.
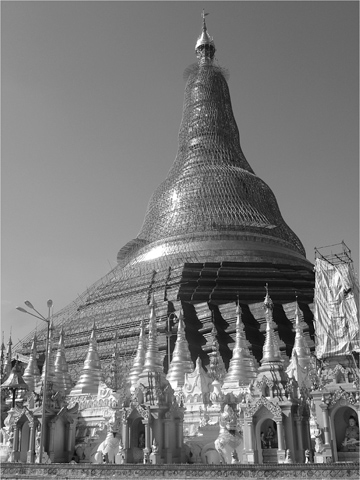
[211, 192]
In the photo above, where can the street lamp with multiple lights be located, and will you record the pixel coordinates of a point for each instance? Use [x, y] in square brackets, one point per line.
[46, 365]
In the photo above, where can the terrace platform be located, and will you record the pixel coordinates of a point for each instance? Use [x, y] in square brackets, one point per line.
[333, 471]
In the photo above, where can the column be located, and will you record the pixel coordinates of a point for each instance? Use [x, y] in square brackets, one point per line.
[167, 449]
[299, 430]
[30, 458]
[51, 442]
[15, 454]
[326, 424]
[281, 440]
[147, 448]
[166, 433]
[280, 435]
[250, 456]
[125, 436]
[180, 432]
[70, 440]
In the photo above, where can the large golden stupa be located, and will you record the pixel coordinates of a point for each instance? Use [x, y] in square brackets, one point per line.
[213, 233]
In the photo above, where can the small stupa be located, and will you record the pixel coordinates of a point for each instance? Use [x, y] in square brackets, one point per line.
[63, 379]
[242, 370]
[181, 362]
[91, 374]
[32, 373]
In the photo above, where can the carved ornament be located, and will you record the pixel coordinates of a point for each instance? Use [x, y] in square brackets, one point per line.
[340, 393]
[264, 381]
[263, 401]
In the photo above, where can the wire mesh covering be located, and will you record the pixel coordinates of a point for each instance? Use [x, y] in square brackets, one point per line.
[211, 186]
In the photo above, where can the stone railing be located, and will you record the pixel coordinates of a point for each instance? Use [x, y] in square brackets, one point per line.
[180, 472]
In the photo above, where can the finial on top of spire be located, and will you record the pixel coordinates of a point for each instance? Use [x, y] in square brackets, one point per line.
[268, 304]
[152, 302]
[205, 47]
[203, 14]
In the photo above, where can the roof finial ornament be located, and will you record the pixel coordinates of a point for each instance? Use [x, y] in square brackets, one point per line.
[268, 304]
[205, 47]
[203, 17]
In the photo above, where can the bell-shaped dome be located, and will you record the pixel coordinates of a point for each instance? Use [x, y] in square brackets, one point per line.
[211, 193]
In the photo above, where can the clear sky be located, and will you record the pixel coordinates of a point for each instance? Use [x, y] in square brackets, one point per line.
[92, 98]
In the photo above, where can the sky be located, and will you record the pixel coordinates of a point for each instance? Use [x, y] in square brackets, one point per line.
[92, 96]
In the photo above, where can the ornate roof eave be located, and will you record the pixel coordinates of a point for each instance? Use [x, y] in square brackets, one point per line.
[15, 380]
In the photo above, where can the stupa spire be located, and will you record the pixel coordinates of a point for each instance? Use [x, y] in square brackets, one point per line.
[139, 359]
[216, 368]
[32, 374]
[242, 368]
[205, 47]
[300, 346]
[63, 378]
[91, 375]
[181, 362]
[3, 349]
[8, 358]
[300, 355]
[153, 361]
[271, 351]
[2, 357]
[271, 364]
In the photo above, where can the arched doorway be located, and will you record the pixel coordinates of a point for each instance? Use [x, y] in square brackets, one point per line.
[136, 438]
[24, 441]
[266, 440]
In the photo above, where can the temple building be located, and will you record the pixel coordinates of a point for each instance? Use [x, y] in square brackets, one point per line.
[199, 346]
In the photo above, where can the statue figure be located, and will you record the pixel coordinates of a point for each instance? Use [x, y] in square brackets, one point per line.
[351, 440]
[5, 445]
[234, 457]
[142, 440]
[108, 449]
[319, 446]
[263, 440]
[307, 456]
[4, 436]
[288, 458]
[269, 437]
[155, 446]
[45, 456]
[230, 437]
[138, 452]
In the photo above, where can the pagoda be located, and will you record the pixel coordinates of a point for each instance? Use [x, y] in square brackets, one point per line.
[212, 233]
[215, 360]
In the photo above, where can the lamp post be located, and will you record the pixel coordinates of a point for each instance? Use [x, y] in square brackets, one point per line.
[46, 365]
